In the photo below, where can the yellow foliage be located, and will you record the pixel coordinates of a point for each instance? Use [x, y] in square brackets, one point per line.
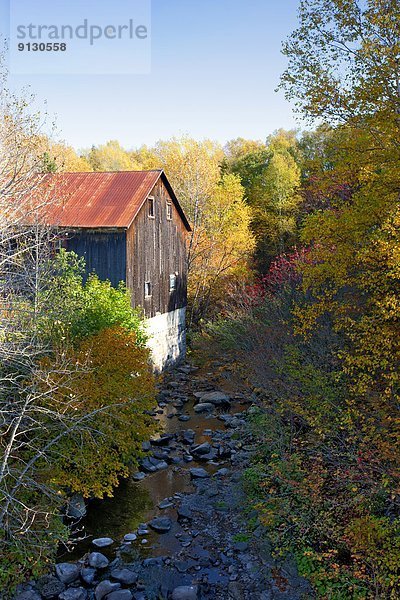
[110, 392]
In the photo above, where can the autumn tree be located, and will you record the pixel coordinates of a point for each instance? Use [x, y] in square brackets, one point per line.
[221, 242]
[109, 157]
[270, 174]
[38, 402]
[193, 168]
[344, 71]
[61, 157]
[223, 247]
[27, 504]
[353, 51]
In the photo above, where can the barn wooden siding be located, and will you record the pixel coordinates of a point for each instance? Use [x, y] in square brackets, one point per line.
[155, 249]
[104, 251]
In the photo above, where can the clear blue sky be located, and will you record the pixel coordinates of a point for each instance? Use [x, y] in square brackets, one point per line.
[215, 65]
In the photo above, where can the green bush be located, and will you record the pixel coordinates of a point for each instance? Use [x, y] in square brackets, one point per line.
[82, 406]
[76, 309]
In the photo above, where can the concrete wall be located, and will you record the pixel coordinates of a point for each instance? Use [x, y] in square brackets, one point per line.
[167, 338]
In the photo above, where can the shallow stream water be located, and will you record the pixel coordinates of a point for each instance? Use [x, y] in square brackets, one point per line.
[136, 502]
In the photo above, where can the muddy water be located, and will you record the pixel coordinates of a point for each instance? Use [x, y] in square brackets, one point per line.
[136, 502]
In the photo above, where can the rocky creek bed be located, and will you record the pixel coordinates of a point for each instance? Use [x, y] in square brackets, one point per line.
[176, 530]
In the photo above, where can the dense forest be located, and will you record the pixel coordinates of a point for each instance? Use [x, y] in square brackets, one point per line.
[294, 268]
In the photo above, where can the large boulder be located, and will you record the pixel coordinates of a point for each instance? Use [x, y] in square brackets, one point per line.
[67, 572]
[104, 588]
[161, 524]
[76, 507]
[216, 398]
[151, 464]
[88, 575]
[124, 576]
[74, 594]
[204, 407]
[102, 542]
[201, 449]
[184, 512]
[50, 587]
[97, 560]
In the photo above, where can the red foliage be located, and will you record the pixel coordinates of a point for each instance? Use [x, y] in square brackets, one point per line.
[283, 272]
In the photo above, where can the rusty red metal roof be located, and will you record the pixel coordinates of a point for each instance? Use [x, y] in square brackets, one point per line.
[93, 200]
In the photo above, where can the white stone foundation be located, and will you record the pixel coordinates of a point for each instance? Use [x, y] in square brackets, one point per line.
[167, 338]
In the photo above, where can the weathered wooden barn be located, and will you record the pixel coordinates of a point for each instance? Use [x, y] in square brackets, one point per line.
[130, 227]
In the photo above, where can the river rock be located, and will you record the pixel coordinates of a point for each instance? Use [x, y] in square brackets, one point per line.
[105, 587]
[162, 453]
[74, 594]
[76, 508]
[102, 542]
[184, 418]
[216, 398]
[212, 455]
[124, 576]
[241, 546]
[138, 476]
[222, 472]
[161, 524]
[185, 592]
[50, 587]
[28, 595]
[97, 560]
[161, 465]
[163, 440]
[188, 436]
[153, 561]
[88, 575]
[184, 512]
[147, 465]
[234, 423]
[120, 595]
[151, 464]
[166, 503]
[198, 473]
[204, 407]
[130, 537]
[201, 449]
[143, 529]
[67, 572]
[224, 452]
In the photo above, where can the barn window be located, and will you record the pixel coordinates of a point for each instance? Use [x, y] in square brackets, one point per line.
[151, 208]
[147, 289]
[169, 211]
[172, 282]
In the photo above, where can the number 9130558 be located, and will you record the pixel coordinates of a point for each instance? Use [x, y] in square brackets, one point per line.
[42, 47]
